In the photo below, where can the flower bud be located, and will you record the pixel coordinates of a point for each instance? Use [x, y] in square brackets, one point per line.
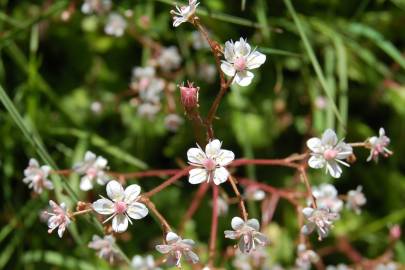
[189, 95]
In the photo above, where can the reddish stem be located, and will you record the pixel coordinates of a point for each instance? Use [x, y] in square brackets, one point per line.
[168, 182]
[214, 225]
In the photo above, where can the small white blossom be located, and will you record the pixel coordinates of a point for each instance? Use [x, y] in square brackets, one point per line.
[37, 177]
[169, 59]
[210, 164]
[386, 266]
[326, 196]
[248, 232]
[148, 85]
[305, 257]
[173, 122]
[320, 219]
[340, 266]
[184, 13]
[239, 59]
[96, 107]
[96, 6]
[105, 247]
[177, 247]
[122, 207]
[257, 259]
[116, 25]
[328, 152]
[148, 110]
[144, 263]
[93, 170]
[379, 146]
[254, 193]
[58, 218]
[356, 199]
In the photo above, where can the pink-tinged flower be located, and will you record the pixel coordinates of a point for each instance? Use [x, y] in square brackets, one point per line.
[148, 110]
[169, 58]
[210, 164]
[329, 152]
[58, 218]
[96, 6]
[173, 122]
[254, 193]
[326, 196]
[93, 170]
[184, 13]
[116, 25]
[305, 257]
[105, 247]
[149, 86]
[248, 232]
[189, 95]
[256, 259]
[37, 177]
[379, 146]
[356, 199]
[144, 263]
[239, 59]
[320, 219]
[176, 248]
[122, 207]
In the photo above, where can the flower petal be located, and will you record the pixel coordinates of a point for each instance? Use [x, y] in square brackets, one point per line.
[307, 211]
[315, 145]
[229, 53]
[101, 162]
[329, 137]
[225, 157]
[212, 148]
[131, 193]
[242, 48]
[316, 162]
[243, 78]
[228, 69]
[33, 163]
[115, 191]
[104, 206]
[220, 175]
[191, 256]
[308, 228]
[89, 156]
[237, 223]
[253, 223]
[255, 60]
[164, 248]
[85, 183]
[231, 234]
[172, 237]
[334, 169]
[137, 210]
[197, 176]
[196, 156]
[120, 223]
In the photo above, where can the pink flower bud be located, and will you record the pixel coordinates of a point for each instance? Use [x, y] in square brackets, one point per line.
[189, 95]
[395, 232]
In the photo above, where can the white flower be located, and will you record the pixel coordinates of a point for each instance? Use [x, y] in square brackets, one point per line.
[148, 110]
[379, 146]
[116, 25]
[58, 218]
[326, 196]
[37, 177]
[305, 257]
[92, 168]
[386, 266]
[320, 219]
[328, 152]
[254, 193]
[173, 122]
[143, 263]
[96, 6]
[256, 259]
[239, 59]
[184, 13]
[177, 248]
[148, 85]
[169, 59]
[356, 199]
[210, 164]
[105, 248]
[122, 207]
[248, 232]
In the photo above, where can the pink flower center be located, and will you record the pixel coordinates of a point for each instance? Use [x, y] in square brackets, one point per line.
[330, 154]
[240, 64]
[143, 83]
[120, 207]
[91, 172]
[209, 164]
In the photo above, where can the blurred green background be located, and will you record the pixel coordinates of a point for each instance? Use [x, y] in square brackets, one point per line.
[53, 70]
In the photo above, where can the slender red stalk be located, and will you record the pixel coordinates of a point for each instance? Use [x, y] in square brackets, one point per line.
[168, 182]
[214, 225]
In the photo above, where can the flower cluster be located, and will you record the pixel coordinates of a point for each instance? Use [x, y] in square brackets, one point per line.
[105, 247]
[326, 196]
[184, 13]
[356, 199]
[305, 257]
[58, 217]
[378, 146]
[37, 177]
[92, 169]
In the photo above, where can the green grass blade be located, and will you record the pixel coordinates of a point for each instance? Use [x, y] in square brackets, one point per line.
[313, 60]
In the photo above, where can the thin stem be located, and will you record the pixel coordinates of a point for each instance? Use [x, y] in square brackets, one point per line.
[305, 179]
[163, 222]
[358, 144]
[168, 182]
[82, 212]
[150, 173]
[237, 193]
[214, 225]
